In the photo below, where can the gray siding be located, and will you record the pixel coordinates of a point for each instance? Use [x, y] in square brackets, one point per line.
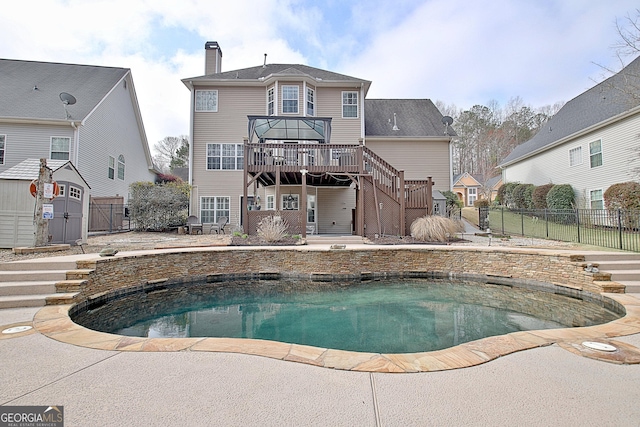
[29, 141]
[552, 166]
[112, 130]
[334, 207]
[329, 104]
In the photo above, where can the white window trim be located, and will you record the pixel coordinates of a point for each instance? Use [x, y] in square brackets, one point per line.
[295, 202]
[270, 206]
[357, 104]
[51, 147]
[124, 171]
[112, 168]
[206, 157]
[3, 148]
[284, 87]
[579, 161]
[215, 207]
[601, 154]
[313, 102]
[592, 200]
[215, 107]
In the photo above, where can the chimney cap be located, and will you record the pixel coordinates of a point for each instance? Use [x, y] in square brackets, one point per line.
[212, 46]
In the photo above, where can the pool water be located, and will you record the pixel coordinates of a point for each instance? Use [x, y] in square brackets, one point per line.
[399, 316]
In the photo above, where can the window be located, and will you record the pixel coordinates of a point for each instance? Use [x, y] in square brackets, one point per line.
[207, 100]
[112, 167]
[121, 167]
[212, 208]
[311, 208]
[290, 99]
[225, 156]
[311, 103]
[3, 138]
[349, 104]
[270, 203]
[60, 148]
[63, 190]
[75, 192]
[270, 102]
[595, 153]
[290, 202]
[473, 195]
[597, 202]
[575, 156]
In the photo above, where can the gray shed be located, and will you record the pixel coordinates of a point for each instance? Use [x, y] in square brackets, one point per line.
[439, 203]
[17, 206]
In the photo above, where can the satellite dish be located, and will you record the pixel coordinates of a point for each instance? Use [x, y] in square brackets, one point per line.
[447, 120]
[67, 98]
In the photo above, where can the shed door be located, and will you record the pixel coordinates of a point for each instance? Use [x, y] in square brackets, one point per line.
[66, 226]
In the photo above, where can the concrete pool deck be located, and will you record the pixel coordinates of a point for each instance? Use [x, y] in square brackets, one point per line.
[548, 385]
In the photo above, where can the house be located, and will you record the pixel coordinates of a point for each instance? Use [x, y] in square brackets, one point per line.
[84, 114]
[306, 143]
[70, 207]
[470, 188]
[590, 143]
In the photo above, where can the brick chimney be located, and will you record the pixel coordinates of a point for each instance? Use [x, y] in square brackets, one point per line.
[212, 58]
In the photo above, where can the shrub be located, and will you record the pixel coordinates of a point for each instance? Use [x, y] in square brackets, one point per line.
[540, 196]
[435, 228]
[481, 203]
[452, 199]
[561, 197]
[507, 194]
[272, 228]
[624, 195]
[158, 206]
[522, 196]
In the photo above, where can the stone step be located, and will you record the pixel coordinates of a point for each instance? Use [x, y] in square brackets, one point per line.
[327, 239]
[612, 256]
[70, 285]
[33, 275]
[30, 265]
[631, 286]
[617, 265]
[19, 301]
[27, 288]
[625, 275]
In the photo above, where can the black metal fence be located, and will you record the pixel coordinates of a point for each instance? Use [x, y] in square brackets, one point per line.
[611, 228]
[108, 217]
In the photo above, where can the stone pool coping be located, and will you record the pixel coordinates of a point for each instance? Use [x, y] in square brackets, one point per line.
[150, 268]
[54, 322]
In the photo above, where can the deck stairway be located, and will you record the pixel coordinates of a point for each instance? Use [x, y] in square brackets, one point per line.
[36, 283]
[624, 267]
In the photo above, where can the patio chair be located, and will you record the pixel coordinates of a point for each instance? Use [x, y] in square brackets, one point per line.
[194, 225]
[219, 225]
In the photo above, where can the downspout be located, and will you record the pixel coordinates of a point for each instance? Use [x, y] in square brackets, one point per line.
[362, 128]
[76, 143]
[191, 114]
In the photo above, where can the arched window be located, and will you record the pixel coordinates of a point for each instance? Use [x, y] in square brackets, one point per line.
[121, 167]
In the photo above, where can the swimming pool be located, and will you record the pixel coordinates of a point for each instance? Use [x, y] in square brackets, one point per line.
[378, 316]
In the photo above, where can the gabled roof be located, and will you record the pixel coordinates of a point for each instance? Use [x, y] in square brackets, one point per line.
[459, 177]
[597, 106]
[29, 169]
[31, 90]
[410, 117]
[280, 71]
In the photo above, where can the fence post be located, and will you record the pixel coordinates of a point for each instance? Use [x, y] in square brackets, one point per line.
[502, 219]
[522, 220]
[546, 222]
[110, 217]
[578, 224]
[620, 226]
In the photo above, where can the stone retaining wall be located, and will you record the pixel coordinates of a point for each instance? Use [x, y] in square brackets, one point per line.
[555, 267]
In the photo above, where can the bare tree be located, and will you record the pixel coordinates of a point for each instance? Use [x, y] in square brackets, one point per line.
[169, 150]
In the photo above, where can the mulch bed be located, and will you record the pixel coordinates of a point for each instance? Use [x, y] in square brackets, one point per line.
[408, 240]
[258, 241]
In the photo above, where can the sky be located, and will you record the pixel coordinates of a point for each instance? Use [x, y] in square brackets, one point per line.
[459, 52]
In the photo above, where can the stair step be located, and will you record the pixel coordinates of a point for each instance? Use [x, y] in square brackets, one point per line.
[19, 301]
[27, 288]
[618, 265]
[625, 275]
[30, 276]
[30, 265]
[612, 256]
[70, 285]
[631, 286]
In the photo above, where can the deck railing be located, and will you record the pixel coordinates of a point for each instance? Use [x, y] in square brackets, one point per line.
[270, 157]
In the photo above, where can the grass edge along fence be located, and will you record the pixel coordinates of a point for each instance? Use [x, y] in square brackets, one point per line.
[610, 228]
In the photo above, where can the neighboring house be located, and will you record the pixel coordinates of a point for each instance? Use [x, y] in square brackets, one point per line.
[307, 143]
[85, 114]
[70, 207]
[590, 143]
[470, 188]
